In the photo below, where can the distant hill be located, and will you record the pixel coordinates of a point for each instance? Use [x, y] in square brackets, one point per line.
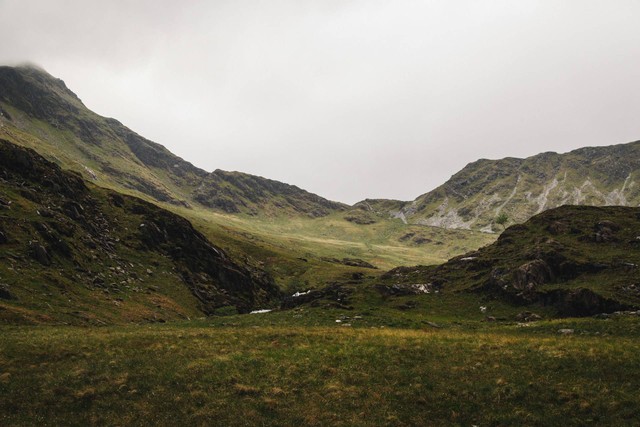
[37, 110]
[75, 253]
[574, 260]
[520, 188]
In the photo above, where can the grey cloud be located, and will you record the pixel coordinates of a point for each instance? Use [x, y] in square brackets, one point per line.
[348, 99]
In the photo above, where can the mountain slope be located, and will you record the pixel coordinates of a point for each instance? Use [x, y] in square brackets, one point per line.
[73, 252]
[577, 260]
[40, 112]
[521, 188]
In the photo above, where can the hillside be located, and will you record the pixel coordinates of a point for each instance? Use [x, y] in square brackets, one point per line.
[75, 253]
[568, 261]
[521, 188]
[38, 111]
[279, 227]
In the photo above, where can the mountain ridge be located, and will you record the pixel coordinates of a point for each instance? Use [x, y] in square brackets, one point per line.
[522, 187]
[38, 110]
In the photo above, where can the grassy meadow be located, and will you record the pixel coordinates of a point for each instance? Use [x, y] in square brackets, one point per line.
[250, 370]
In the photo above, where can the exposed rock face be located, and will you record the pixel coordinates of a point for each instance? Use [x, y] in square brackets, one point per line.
[209, 273]
[81, 228]
[531, 274]
[335, 295]
[475, 196]
[235, 192]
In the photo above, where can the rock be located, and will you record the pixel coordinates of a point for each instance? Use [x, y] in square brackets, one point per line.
[152, 235]
[604, 231]
[557, 227]
[356, 262]
[5, 293]
[580, 302]
[333, 292]
[602, 316]
[530, 275]
[408, 305]
[565, 331]
[74, 210]
[47, 213]
[527, 316]
[421, 240]
[40, 254]
[403, 289]
[406, 237]
[433, 324]
[607, 224]
[360, 219]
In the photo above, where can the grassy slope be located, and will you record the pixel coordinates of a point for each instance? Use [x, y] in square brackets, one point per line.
[293, 248]
[197, 374]
[65, 291]
[281, 242]
[276, 238]
[74, 252]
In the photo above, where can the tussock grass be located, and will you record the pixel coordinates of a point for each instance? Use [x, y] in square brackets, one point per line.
[199, 374]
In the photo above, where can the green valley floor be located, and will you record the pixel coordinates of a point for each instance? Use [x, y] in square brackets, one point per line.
[271, 369]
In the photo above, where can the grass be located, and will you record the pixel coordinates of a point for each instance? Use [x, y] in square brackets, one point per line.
[294, 249]
[200, 373]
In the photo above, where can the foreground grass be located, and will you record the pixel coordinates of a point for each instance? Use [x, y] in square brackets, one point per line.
[204, 374]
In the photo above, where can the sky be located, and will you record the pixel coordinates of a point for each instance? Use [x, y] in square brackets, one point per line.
[347, 99]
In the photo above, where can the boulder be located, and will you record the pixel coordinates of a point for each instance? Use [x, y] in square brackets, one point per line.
[532, 274]
[527, 316]
[40, 253]
[5, 292]
[604, 231]
[356, 262]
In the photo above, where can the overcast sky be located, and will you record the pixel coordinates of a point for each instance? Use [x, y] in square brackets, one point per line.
[347, 99]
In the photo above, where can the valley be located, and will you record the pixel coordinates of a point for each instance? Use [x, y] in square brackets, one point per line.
[138, 289]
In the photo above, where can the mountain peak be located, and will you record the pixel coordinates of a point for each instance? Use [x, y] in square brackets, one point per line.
[107, 152]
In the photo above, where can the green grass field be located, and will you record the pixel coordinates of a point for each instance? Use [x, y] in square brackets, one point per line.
[212, 373]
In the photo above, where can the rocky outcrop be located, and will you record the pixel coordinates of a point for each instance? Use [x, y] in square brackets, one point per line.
[579, 260]
[351, 262]
[236, 192]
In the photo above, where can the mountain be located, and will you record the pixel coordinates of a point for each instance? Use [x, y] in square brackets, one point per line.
[571, 260]
[76, 253]
[520, 188]
[38, 111]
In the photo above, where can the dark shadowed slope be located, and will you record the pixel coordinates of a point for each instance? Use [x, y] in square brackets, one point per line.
[76, 253]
